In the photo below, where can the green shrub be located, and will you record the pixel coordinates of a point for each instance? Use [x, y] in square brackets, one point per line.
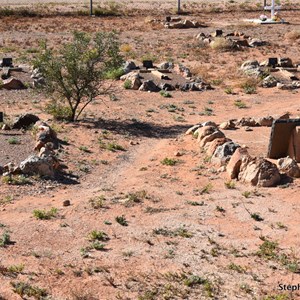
[59, 111]
[75, 72]
[127, 84]
[169, 161]
[44, 214]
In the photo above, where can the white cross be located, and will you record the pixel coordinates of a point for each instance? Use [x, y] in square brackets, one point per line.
[272, 8]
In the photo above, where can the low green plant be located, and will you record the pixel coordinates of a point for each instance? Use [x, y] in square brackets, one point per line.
[237, 268]
[84, 149]
[256, 217]
[14, 141]
[98, 246]
[165, 94]
[240, 104]
[16, 269]
[59, 111]
[169, 161]
[114, 74]
[127, 84]
[15, 180]
[121, 220]
[220, 209]
[96, 235]
[97, 202]
[229, 90]
[268, 249]
[195, 203]
[246, 194]
[45, 214]
[230, 184]
[27, 290]
[206, 189]
[5, 239]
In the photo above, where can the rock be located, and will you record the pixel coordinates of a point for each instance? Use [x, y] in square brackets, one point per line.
[259, 172]
[166, 66]
[256, 42]
[285, 62]
[5, 127]
[251, 68]
[269, 81]
[150, 86]
[10, 169]
[234, 164]
[223, 153]
[185, 71]
[205, 131]
[45, 135]
[289, 166]
[13, 84]
[241, 43]
[217, 33]
[136, 83]
[67, 203]
[285, 116]
[248, 129]
[176, 25]
[188, 24]
[209, 138]
[128, 66]
[265, 121]
[251, 122]
[36, 165]
[193, 129]
[5, 73]
[134, 79]
[209, 123]
[249, 64]
[228, 125]
[289, 86]
[212, 146]
[166, 87]
[24, 121]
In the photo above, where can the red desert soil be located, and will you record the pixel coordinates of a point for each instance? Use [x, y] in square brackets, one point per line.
[188, 235]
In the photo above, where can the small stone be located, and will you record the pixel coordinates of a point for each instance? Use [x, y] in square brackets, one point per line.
[66, 203]
[178, 153]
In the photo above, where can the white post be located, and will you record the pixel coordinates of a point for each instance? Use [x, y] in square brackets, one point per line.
[272, 9]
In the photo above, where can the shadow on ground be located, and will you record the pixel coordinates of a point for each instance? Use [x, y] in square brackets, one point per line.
[136, 128]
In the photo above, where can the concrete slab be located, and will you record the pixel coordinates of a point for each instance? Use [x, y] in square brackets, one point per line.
[281, 133]
[266, 22]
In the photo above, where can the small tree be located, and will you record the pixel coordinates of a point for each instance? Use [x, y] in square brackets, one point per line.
[75, 73]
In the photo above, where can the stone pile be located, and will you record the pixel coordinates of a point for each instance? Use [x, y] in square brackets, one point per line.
[45, 162]
[9, 82]
[239, 165]
[238, 40]
[178, 23]
[166, 76]
[280, 72]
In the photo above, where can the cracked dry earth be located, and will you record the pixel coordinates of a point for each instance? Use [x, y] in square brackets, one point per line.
[188, 235]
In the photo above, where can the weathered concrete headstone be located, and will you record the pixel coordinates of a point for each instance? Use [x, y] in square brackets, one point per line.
[148, 64]
[6, 62]
[280, 138]
[273, 62]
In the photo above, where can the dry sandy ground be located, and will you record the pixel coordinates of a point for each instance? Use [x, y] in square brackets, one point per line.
[188, 235]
